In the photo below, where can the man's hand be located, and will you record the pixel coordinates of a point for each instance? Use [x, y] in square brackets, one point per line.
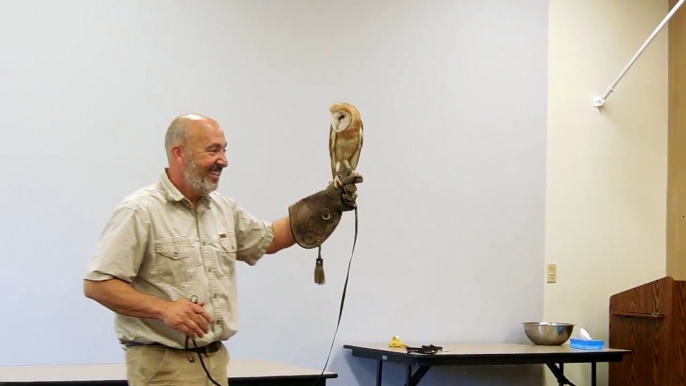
[187, 317]
[182, 315]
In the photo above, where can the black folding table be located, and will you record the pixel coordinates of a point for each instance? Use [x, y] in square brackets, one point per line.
[554, 357]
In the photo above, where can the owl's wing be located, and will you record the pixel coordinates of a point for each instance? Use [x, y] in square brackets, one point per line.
[356, 155]
[332, 150]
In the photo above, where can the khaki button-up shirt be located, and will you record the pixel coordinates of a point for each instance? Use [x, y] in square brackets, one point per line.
[159, 244]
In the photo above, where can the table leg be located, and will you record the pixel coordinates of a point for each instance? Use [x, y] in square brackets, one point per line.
[559, 374]
[413, 379]
[593, 374]
[562, 372]
[379, 370]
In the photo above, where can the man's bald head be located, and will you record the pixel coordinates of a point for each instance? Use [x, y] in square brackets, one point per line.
[195, 146]
[185, 127]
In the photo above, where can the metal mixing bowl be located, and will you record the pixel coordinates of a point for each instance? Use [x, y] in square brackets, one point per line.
[548, 333]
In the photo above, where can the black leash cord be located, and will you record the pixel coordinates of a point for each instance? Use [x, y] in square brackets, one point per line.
[340, 312]
[194, 299]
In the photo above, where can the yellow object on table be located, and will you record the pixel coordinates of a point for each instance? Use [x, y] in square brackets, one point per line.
[397, 343]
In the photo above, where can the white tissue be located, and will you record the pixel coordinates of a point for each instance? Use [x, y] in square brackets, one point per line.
[584, 334]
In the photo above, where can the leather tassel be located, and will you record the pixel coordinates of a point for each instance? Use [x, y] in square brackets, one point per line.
[319, 277]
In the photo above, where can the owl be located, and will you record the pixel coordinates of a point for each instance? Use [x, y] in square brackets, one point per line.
[345, 140]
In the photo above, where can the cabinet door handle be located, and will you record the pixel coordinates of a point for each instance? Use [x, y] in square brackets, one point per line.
[653, 315]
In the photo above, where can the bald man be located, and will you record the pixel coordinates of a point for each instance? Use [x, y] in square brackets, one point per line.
[165, 262]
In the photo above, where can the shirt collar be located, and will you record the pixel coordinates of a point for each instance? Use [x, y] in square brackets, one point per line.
[171, 193]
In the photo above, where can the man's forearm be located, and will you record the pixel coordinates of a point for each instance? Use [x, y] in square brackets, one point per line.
[123, 299]
[283, 237]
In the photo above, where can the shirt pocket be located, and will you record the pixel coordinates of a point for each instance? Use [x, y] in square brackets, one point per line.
[175, 262]
[226, 257]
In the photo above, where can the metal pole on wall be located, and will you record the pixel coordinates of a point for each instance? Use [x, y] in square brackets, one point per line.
[600, 100]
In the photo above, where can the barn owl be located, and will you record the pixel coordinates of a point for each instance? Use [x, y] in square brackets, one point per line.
[345, 140]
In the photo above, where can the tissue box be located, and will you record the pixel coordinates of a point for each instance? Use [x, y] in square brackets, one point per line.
[584, 344]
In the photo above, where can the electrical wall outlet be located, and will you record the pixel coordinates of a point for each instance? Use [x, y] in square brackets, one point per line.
[551, 273]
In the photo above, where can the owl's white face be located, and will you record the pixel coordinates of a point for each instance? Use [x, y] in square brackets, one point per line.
[340, 120]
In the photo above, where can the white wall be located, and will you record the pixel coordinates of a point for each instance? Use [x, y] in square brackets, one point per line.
[453, 95]
[607, 170]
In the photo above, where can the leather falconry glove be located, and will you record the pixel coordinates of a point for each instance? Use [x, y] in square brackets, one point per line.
[314, 218]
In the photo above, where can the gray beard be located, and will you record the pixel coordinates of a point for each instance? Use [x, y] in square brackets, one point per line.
[197, 178]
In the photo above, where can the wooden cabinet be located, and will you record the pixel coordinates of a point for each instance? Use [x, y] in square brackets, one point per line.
[649, 320]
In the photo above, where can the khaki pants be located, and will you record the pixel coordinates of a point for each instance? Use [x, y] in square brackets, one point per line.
[157, 365]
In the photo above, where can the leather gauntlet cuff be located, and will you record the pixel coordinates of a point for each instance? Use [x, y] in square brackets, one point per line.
[314, 218]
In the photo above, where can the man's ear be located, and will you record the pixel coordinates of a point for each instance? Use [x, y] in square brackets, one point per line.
[177, 153]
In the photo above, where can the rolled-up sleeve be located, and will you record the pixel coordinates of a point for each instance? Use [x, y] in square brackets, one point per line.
[253, 236]
[121, 248]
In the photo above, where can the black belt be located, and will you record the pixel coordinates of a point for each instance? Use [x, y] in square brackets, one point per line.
[209, 349]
